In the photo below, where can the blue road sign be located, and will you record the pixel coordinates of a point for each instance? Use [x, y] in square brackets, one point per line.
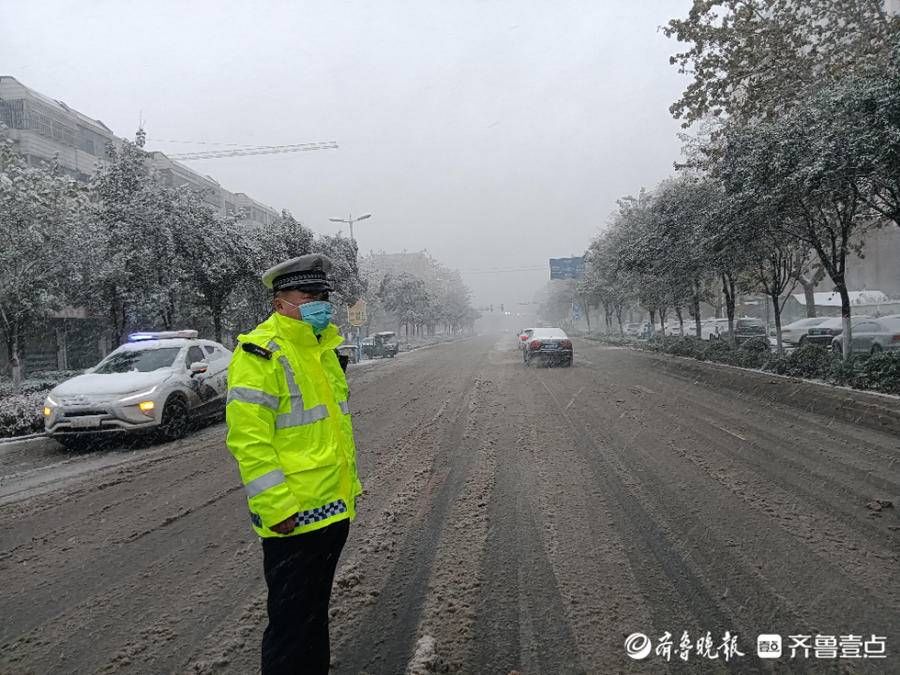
[567, 268]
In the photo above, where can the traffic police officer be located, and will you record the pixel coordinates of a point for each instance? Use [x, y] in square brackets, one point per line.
[289, 429]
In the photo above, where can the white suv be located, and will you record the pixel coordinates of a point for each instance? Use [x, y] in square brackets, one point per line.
[154, 382]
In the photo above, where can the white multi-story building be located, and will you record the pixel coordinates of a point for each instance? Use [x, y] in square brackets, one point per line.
[44, 129]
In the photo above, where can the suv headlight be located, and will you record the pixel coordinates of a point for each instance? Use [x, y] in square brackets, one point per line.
[49, 404]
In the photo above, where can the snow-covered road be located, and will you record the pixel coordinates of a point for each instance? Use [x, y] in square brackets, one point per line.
[525, 519]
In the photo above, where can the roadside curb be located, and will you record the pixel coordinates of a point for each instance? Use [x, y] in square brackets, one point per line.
[8, 445]
[22, 439]
[873, 410]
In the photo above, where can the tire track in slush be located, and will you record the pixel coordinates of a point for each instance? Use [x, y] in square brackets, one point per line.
[521, 623]
[663, 567]
[389, 642]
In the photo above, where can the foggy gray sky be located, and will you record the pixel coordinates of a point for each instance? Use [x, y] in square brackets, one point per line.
[493, 134]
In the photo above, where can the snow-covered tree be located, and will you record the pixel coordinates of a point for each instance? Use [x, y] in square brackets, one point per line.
[131, 279]
[799, 173]
[406, 297]
[440, 297]
[214, 257]
[41, 212]
[754, 59]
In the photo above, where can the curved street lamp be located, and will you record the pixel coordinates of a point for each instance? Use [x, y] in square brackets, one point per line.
[350, 220]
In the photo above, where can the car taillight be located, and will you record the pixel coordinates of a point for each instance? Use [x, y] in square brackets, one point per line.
[535, 344]
[566, 344]
[896, 338]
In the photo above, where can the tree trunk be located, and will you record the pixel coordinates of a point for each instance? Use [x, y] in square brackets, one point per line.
[695, 307]
[115, 312]
[730, 301]
[618, 310]
[776, 307]
[587, 315]
[652, 322]
[217, 324]
[808, 292]
[809, 287]
[9, 353]
[16, 360]
[846, 337]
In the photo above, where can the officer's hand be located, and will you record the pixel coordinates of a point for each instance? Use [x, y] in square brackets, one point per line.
[285, 526]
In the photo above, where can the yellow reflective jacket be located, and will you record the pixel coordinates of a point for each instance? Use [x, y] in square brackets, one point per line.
[289, 426]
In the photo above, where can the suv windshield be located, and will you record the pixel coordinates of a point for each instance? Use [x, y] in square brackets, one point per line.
[139, 360]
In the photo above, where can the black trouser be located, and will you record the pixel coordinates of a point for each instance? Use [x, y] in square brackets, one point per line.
[299, 573]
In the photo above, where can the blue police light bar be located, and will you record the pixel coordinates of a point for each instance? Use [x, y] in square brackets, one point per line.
[163, 335]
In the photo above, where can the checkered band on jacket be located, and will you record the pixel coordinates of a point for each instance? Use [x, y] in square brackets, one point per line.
[321, 512]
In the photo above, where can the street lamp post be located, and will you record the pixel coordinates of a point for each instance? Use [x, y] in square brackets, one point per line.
[349, 220]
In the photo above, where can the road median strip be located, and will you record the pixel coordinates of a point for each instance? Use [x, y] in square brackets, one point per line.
[870, 409]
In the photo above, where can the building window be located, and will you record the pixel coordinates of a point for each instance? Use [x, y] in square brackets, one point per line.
[12, 113]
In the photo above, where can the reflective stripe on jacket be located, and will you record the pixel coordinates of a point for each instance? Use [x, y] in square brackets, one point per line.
[289, 426]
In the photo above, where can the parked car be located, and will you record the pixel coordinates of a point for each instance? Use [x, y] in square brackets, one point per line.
[831, 327]
[795, 332]
[710, 329]
[550, 345]
[871, 336]
[156, 382]
[382, 345]
[632, 329]
[523, 336]
[646, 331]
[744, 329]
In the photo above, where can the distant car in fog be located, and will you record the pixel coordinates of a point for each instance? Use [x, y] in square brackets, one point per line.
[551, 345]
[871, 336]
[632, 329]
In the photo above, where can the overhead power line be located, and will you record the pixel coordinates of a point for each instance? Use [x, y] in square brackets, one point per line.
[255, 150]
[498, 270]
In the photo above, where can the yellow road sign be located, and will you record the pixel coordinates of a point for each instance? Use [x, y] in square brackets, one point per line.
[356, 315]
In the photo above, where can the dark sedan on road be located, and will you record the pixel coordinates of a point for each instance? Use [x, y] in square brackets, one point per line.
[745, 329]
[824, 333]
[551, 345]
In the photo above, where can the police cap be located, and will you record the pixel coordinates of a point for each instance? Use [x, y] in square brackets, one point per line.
[306, 273]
